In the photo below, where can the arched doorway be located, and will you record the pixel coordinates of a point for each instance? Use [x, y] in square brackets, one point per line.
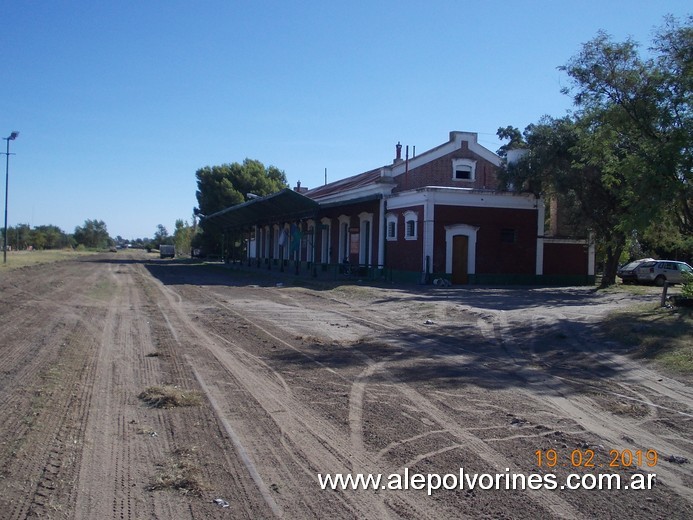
[460, 252]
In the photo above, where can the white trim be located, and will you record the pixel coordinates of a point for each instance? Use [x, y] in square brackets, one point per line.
[467, 163]
[411, 216]
[375, 188]
[428, 232]
[325, 240]
[541, 214]
[343, 219]
[549, 240]
[463, 197]
[455, 143]
[365, 218]
[382, 231]
[275, 241]
[461, 229]
[390, 218]
[591, 256]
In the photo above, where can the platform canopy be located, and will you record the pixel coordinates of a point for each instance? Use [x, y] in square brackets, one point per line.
[285, 205]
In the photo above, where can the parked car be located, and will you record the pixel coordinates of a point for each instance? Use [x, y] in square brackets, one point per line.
[660, 271]
[627, 271]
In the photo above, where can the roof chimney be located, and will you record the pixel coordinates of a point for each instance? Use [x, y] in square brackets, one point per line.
[398, 157]
[298, 188]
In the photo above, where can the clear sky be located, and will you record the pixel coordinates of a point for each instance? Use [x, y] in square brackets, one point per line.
[119, 103]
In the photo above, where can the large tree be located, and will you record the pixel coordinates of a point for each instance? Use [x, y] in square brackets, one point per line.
[643, 106]
[183, 235]
[92, 234]
[219, 187]
[622, 160]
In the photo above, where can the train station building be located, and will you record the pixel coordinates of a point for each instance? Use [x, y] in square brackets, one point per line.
[438, 215]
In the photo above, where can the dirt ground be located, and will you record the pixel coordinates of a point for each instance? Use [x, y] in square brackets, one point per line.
[296, 382]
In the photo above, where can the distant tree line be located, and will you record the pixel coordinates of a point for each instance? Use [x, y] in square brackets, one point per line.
[22, 236]
[92, 235]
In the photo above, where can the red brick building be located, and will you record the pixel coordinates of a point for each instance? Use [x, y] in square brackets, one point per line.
[434, 215]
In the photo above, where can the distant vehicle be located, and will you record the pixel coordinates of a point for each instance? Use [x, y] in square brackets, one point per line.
[167, 251]
[627, 272]
[660, 271]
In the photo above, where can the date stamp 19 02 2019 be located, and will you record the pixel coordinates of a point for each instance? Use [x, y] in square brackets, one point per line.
[587, 458]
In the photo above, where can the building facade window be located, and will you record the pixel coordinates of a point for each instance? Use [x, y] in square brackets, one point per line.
[391, 226]
[508, 236]
[463, 170]
[410, 225]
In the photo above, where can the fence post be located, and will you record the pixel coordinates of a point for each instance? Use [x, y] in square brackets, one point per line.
[665, 287]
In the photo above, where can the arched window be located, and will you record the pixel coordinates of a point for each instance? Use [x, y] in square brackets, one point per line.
[463, 169]
[411, 225]
[391, 226]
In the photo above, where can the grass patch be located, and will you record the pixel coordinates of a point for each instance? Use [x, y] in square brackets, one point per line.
[180, 473]
[169, 396]
[19, 259]
[656, 333]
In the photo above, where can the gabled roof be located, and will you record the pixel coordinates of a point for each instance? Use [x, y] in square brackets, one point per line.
[350, 183]
[283, 205]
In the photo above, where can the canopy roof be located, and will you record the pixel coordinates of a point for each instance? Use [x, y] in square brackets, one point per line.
[283, 205]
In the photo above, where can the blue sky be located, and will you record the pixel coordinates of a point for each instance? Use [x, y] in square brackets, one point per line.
[119, 103]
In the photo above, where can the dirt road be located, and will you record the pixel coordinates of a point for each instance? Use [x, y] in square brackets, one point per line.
[296, 383]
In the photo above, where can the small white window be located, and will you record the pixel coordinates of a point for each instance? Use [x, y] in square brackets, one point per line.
[463, 169]
[391, 226]
[410, 225]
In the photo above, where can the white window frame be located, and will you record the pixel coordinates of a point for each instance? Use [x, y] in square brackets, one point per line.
[391, 218]
[411, 216]
[325, 241]
[344, 223]
[464, 164]
[363, 236]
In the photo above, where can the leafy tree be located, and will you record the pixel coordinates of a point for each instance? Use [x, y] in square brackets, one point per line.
[219, 187]
[19, 236]
[92, 234]
[161, 236]
[48, 237]
[183, 235]
[623, 156]
[644, 106]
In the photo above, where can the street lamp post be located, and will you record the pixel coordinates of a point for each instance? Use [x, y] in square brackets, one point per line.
[11, 137]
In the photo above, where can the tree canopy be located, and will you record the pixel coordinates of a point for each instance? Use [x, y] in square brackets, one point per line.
[92, 234]
[219, 187]
[622, 161]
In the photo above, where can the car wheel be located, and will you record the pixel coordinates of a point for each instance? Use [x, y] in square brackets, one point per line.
[659, 281]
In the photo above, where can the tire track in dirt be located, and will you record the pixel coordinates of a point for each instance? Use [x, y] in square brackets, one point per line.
[49, 447]
[499, 332]
[313, 441]
[612, 429]
[359, 455]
